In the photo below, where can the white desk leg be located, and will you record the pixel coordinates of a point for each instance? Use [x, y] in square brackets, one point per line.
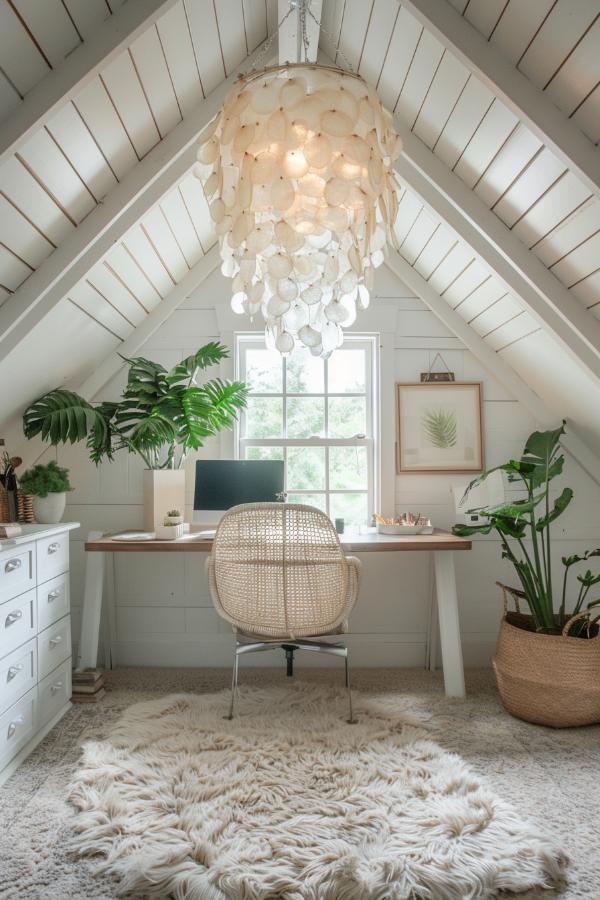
[447, 603]
[87, 656]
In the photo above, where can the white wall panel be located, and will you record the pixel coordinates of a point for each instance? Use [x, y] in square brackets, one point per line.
[423, 67]
[47, 162]
[151, 67]
[179, 53]
[450, 79]
[52, 27]
[19, 185]
[205, 39]
[495, 128]
[71, 135]
[122, 83]
[100, 116]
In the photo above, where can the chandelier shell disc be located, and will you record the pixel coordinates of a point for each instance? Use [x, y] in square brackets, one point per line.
[298, 172]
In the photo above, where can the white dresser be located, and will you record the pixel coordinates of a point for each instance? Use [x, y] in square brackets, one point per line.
[35, 638]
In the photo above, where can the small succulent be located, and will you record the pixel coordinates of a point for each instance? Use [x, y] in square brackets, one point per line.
[173, 513]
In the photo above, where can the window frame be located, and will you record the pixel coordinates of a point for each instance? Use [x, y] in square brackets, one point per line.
[368, 342]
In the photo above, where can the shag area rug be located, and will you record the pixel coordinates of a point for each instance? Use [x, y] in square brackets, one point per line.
[290, 801]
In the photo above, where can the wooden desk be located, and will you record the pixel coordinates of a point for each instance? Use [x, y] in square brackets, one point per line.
[441, 543]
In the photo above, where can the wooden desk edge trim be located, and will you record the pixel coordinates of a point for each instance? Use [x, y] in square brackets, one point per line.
[448, 543]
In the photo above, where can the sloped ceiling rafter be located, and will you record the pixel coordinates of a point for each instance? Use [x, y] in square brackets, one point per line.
[540, 293]
[555, 45]
[164, 169]
[73, 150]
[83, 63]
[521, 95]
[467, 126]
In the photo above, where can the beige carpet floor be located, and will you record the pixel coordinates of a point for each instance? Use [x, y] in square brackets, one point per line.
[551, 776]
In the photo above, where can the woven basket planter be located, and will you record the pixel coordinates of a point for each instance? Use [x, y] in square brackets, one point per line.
[547, 679]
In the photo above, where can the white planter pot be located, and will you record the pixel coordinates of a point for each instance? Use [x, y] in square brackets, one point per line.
[164, 489]
[169, 532]
[49, 510]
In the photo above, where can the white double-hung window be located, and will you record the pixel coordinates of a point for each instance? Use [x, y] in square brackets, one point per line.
[317, 415]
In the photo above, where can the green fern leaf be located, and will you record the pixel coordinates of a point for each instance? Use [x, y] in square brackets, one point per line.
[440, 428]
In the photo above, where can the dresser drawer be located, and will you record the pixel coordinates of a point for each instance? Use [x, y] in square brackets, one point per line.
[17, 726]
[18, 621]
[53, 692]
[52, 556]
[52, 601]
[54, 646]
[17, 571]
[18, 674]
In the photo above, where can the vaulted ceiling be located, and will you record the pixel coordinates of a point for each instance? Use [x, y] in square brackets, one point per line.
[104, 229]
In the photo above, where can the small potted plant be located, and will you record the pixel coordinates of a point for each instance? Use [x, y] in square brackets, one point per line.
[48, 485]
[547, 661]
[171, 528]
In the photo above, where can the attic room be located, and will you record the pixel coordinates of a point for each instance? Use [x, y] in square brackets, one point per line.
[299, 449]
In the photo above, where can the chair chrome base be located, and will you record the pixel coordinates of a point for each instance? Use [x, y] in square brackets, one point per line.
[245, 646]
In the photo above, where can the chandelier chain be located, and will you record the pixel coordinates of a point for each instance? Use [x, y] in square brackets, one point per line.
[267, 45]
[304, 8]
[328, 34]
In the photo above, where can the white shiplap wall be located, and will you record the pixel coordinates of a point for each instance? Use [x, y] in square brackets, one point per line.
[163, 610]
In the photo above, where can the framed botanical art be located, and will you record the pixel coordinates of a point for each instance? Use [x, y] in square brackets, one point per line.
[439, 427]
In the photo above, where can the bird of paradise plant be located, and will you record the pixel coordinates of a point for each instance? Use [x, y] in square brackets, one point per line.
[518, 520]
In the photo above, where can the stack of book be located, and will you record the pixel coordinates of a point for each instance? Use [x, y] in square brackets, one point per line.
[88, 686]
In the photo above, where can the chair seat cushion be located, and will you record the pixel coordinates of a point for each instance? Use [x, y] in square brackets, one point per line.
[342, 628]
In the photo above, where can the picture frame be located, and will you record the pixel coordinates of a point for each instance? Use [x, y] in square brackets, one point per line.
[439, 427]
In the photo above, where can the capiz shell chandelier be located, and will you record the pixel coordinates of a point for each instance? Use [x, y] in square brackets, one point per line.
[297, 170]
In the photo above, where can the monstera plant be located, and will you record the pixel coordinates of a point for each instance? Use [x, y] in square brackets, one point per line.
[161, 416]
[529, 519]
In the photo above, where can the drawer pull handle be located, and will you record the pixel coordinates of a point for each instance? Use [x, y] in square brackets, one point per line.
[12, 564]
[53, 595]
[55, 641]
[13, 671]
[52, 548]
[13, 617]
[56, 686]
[14, 725]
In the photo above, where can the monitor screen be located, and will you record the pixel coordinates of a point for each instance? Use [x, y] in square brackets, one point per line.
[223, 483]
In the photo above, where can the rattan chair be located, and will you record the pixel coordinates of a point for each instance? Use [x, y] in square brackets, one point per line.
[278, 574]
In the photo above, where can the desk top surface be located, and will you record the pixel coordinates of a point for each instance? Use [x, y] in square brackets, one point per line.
[352, 543]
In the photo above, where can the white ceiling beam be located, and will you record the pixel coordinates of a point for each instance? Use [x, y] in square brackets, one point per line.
[132, 344]
[159, 171]
[291, 46]
[79, 68]
[540, 292]
[493, 363]
[527, 102]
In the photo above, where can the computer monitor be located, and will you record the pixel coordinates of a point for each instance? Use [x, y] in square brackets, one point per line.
[223, 483]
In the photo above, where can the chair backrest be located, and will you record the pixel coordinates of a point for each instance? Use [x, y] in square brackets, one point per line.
[278, 570]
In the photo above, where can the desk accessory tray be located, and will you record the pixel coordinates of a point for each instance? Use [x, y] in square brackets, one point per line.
[423, 528]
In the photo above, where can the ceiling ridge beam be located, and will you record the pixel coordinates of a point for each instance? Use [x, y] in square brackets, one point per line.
[139, 191]
[521, 96]
[94, 383]
[539, 290]
[78, 69]
[494, 364]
